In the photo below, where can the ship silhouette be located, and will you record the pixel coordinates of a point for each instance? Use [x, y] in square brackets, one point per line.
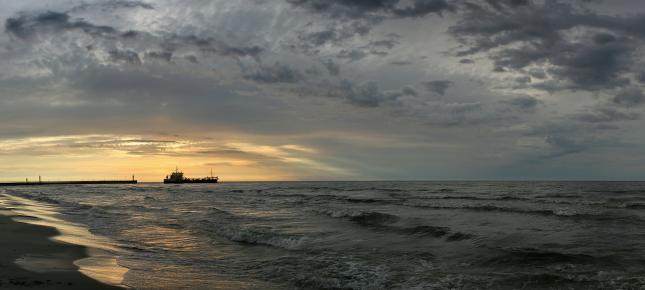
[178, 177]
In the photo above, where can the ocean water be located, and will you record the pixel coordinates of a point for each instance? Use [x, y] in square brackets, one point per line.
[354, 235]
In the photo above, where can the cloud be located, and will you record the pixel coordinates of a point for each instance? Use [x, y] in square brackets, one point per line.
[526, 103]
[332, 67]
[125, 56]
[162, 55]
[421, 8]
[276, 73]
[401, 62]
[122, 46]
[606, 115]
[438, 87]
[357, 18]
[366, 94]
[578, 48]
[113, 5]
[27, 26]
[373, 8]
[632, 96]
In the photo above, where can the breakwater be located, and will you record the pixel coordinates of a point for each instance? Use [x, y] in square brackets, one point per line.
[41, 183]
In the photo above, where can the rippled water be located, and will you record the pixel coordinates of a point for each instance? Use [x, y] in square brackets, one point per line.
[366, 235]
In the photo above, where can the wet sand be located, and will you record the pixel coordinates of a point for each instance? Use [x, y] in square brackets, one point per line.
[30, 246]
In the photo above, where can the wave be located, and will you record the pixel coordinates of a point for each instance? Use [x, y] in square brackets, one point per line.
[561, 212]
[236, 228]
[256, 237]
[335, 270]
[532, 257]
[149, 198]
[469, 197]
[387, 222]
[558, 195]
[427, 231]
[370, 218]
[374, 218]
[635, 206]
[459, 237]
[370, 200]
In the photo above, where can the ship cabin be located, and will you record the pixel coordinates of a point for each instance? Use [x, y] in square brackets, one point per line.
[176, 176]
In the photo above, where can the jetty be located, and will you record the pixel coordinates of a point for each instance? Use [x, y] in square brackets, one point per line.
[72, 182]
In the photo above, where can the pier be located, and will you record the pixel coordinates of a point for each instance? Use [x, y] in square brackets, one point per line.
[72, 182]
[4, 184]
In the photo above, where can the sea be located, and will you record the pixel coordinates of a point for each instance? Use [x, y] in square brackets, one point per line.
[348, 235]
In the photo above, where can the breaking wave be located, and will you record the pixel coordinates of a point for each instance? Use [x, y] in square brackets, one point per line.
[256, 237]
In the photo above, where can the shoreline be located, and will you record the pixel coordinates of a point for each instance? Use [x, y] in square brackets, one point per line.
[51, 263]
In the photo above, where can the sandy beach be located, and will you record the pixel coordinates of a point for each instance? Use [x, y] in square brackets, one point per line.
[31, 246]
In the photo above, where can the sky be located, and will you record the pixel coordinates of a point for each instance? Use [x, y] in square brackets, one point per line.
[323, 89]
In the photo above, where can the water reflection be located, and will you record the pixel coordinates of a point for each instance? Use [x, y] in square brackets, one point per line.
[101, 263]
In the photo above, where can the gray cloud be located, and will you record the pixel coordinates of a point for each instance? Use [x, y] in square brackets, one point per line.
[125, 56]
[276, 73]
[160, 55]
[373, 8]
[26, 26]
[438, 87]
[332, 67]
[534, 34]
[112, 5]
[632, 96]
[606, 115]
[525, 103]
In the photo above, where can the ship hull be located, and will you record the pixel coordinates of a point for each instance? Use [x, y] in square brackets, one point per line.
[189, 181]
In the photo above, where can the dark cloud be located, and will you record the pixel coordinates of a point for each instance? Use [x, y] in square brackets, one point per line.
[210, 45]
[606, 115]
[369, 94]
[438, 87]
[564, 145]
[629, 97]
[373, 8]
[536, 35]
[401, 62]
[159, 55]
[125, 56]
[332, 67]
[352, 54]
[357, 17]
[526, 103]
[112, 5]
[640, 76]
[310, 41]
[385, 43]
[421, 8]
[566, 138]
[537, 73]
[26, 26]
[191, 58]
[276, 73]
